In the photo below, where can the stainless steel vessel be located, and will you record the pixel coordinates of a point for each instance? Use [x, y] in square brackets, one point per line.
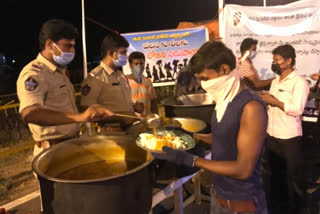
[100, 174]
[198, 106]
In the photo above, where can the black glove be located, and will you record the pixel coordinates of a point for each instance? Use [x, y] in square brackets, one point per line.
[178, 157]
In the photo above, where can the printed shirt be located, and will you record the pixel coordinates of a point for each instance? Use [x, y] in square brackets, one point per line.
[107, 87]
[143, 93]
[246, 69]
[41, 82]
[293, 91]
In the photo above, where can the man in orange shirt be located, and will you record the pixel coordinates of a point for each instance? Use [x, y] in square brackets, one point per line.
[142, 90]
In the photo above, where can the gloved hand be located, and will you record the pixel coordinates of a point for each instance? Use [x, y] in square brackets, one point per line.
[178, 157]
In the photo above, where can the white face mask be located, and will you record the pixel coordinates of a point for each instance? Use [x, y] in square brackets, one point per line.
[65, 58]
[137, 71]
[222, 89]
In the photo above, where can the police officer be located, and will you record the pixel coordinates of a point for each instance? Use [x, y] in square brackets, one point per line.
[46, 95]
[107, 85]
[45, 92]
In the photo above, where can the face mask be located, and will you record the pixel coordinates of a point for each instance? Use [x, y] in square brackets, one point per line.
[214, 87]
[121, 61]
[65, 58]
[275, 67]
[253, 55]
[222, 90]
[137, 71]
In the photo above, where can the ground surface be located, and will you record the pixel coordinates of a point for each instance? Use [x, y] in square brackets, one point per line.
[16, 177]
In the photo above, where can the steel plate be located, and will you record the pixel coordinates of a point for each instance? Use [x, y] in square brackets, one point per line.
[188, 140]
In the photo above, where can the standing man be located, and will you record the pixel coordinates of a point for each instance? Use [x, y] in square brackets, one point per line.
[238, 130]
[46, 95]
[246, 69]
[142, 90]
[286, 102]
[107, 85]
[45, 92]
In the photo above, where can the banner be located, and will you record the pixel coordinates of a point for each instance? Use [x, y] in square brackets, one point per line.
[296, 24]
[166, 51]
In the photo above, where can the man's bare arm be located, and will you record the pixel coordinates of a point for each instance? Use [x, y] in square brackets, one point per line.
[250, 140]
[258, 84]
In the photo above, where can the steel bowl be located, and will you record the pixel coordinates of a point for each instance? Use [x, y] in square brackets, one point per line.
[200, 107]
[191, 125]
[196, 99]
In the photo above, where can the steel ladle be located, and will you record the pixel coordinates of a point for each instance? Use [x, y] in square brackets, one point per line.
[152, 120]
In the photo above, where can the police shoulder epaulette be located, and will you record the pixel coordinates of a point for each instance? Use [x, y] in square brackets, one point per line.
[36, 66]
[95, 71]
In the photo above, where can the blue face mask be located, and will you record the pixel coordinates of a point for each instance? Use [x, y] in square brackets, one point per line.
[253, 54]
[137, 71]
[121, 61]
[65, 58]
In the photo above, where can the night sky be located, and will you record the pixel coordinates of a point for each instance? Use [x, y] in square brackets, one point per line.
[21, 21]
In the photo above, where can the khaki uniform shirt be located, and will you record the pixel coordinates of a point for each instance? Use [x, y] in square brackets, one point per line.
[41, 82]
[107, 87]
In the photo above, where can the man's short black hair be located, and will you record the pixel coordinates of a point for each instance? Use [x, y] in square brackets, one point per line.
[56, 29]
[247, 43]
[212, 55]
[136, 55]
[112, 41]
[286, 51]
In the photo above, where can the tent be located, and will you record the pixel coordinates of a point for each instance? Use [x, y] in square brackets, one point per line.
[211, 25]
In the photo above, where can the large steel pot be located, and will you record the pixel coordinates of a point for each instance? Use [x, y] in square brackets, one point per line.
[198, 106]
[100, 174]
[163, 169]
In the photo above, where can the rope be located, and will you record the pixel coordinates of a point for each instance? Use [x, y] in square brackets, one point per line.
[101, 25]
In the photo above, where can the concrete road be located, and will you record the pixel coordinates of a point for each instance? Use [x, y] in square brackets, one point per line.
[30, 204]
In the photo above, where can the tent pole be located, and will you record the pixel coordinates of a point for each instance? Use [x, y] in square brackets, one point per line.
[221, 19]
[85, 69]
[85, 72]
[264, 3]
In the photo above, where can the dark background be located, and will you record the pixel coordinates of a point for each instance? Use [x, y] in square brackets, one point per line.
[21, 20]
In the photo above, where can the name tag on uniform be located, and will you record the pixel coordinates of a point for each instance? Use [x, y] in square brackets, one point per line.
[116, 83]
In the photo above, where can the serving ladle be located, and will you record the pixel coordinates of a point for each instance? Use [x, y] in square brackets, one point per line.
[153, 121]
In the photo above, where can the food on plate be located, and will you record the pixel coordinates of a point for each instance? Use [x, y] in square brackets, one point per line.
[153, 142]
